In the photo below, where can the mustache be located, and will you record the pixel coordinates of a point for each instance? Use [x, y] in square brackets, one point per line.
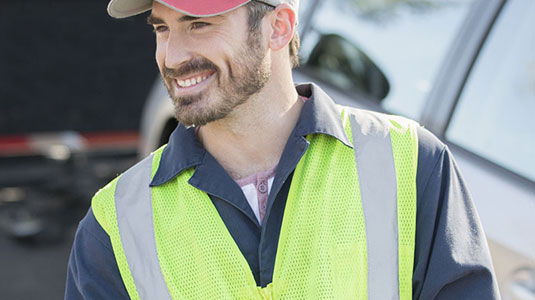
[190, 67]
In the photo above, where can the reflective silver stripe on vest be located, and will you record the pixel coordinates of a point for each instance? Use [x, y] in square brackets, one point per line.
[378, 190]
[133, 203]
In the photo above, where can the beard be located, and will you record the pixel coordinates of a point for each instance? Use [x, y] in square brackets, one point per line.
[248, 72]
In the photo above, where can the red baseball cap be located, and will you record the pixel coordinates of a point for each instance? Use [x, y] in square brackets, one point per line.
[196, 8]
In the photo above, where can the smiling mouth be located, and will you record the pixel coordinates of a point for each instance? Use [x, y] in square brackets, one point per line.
[194, 80]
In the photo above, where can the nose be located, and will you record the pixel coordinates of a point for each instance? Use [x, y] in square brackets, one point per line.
[177, 51]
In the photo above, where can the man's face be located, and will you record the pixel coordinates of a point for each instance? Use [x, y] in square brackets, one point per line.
[209, 65]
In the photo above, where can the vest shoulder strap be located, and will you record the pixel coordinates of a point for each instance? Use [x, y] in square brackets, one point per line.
[126, 198]
[386, 154]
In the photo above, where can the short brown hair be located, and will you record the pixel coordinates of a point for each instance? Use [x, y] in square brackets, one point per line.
[257, 11]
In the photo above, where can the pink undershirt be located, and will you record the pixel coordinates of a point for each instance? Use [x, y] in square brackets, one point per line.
[256, 188]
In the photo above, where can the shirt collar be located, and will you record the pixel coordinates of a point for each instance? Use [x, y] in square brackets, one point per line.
[319, 115]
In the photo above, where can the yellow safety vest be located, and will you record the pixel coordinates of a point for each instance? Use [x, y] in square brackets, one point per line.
[347, 233]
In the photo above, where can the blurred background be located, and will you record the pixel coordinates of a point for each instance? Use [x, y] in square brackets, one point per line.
[73, 82]
[80, 102]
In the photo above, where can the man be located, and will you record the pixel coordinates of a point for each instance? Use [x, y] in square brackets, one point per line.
[268, 190]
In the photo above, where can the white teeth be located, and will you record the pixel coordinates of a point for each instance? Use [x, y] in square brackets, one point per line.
[191, 81]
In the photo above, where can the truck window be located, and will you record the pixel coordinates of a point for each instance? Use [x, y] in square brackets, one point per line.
[494, 114]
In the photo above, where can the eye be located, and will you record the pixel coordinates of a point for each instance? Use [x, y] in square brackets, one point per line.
[159, 28]
[198, 25]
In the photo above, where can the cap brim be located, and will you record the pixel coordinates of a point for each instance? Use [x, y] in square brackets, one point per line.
[127, 8]
[196, 8]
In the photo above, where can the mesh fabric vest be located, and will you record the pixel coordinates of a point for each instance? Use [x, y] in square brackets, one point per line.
[322, 249]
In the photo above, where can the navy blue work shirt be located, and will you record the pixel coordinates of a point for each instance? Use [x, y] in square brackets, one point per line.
[447, 265]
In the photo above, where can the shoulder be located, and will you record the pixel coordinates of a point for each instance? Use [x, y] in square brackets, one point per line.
[103, 202]
[431, 151]
[428, 143]
[370, 117]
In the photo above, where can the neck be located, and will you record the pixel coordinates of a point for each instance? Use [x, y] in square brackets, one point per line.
[251, 139]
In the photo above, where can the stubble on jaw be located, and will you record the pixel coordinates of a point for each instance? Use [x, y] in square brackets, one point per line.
[248, 73]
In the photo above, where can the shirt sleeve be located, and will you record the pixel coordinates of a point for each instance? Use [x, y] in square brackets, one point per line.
[92, 272]
[452, 259]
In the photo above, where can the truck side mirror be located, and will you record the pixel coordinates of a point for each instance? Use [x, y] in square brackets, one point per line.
[339, 62]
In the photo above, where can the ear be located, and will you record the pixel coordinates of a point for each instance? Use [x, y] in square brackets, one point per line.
[282, 25]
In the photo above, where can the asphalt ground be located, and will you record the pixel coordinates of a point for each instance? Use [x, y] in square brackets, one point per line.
[34, 269]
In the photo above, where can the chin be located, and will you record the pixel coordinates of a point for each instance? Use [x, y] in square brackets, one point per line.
[198, 111]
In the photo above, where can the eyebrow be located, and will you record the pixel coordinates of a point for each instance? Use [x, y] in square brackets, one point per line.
[187, 18]
[152, 19]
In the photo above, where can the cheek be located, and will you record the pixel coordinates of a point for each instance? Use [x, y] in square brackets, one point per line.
[160, 55]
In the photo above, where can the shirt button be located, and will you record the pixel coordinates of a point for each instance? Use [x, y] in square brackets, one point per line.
[262, 187]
